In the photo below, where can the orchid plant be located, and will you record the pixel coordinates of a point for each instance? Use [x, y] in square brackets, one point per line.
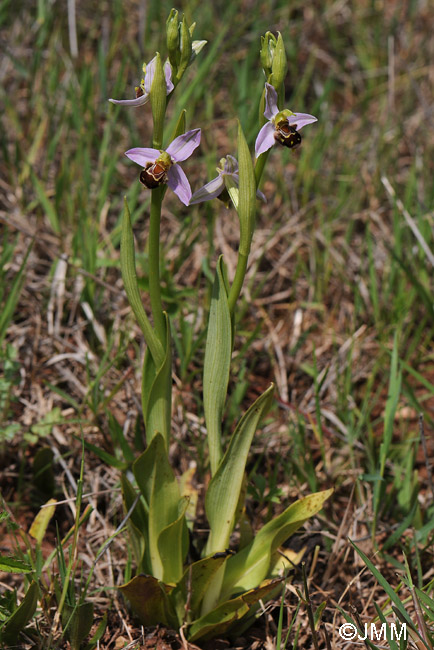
[209, 596]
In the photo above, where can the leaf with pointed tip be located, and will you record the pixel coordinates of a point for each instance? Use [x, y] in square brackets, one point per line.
[129, 276]
[218, 352]
[78, 621]
[252, 564]
[220, 619]
[157, 392]
[158, 485]
[222, 496]
[41, 521]
[196, 579]
[137, 524]
[13, 565]
[21, 616]
[173, 545]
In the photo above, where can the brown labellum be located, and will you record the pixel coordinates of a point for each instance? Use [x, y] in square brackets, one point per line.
[287, 135]
[153, 175]
[139, 92]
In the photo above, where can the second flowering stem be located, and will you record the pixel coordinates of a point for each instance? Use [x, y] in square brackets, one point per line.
[154, 263]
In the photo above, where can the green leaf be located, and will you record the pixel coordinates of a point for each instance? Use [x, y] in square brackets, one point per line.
[46, 204]
[220, 619]
[224, 490]
[41, 521]
[139, 515]
[77, 622]
[157, 392]
[252, 564]
[173, 545]
[222, 497]
[158, 485]
[45, 426]
[180, 125]
[8, 308]
[13, 565]
[196, 580]
[21, 616]
[98, 634]
[149, 599]
[137, 524]
[389, 421]
[128, 267]
[247, 194]
[107, 458]
[118, 437]
[383, 582]
[217, 362]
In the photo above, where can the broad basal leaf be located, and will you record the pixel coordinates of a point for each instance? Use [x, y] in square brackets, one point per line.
[224, 490]
[222, 617]
[252, 564]
[173, 545]
[158, 485]
[21, 616]
[195, 582]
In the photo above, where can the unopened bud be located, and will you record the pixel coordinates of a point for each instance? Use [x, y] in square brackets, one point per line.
[186, 49]
[279, 65]
[158, 102]
[172, 32]
[268, 45]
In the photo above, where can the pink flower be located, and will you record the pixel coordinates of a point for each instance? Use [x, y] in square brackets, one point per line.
[225, 184]
[282, 127]
[162, 166]
[143, 91]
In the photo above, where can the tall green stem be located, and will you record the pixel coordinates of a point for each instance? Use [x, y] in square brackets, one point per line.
[237, 284]
[259, 166]
[246, 215]
[154, 264]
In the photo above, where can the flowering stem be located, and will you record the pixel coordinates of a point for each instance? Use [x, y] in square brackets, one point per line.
[259, 166]
[246, 215]
[154, 263]
[237, 284]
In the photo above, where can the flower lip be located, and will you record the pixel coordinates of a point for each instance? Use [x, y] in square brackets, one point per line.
[143, 91]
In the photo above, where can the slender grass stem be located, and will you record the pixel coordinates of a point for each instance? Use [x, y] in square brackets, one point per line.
[154, 264]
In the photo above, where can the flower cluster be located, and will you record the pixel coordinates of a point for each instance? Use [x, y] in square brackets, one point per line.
[283, 127]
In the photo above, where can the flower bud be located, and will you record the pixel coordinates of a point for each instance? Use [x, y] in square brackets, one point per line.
[186, 49]
[268, 45]
[158, 102]
[279, 64]
[196, 47]
[172, 32]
